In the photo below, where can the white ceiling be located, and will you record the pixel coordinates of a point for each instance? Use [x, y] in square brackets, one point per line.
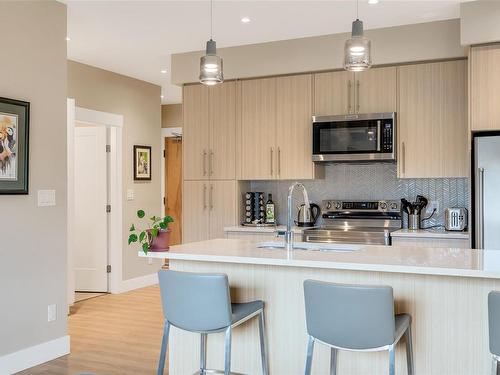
[136, 38]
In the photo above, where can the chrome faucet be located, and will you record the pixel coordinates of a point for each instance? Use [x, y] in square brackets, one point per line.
[289, 232]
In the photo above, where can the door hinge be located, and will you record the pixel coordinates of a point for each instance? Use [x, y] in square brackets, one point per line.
[108, 208]
[163, 153]
[108, 148]
[108, 268]
[164, 201]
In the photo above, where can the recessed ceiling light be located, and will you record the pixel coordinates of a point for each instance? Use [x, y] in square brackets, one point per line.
[372, 1]
[68, 39]
[163, 71]
[245, 20]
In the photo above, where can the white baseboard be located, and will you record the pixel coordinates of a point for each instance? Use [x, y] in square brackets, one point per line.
[34, 355]
[138, 282]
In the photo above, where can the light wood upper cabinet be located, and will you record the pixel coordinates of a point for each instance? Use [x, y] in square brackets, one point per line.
[432, 120]
[222, 110]
[195, 132]
[294, 129]
[258, 154]
[376, 90]
[333, 93]
[485, 87]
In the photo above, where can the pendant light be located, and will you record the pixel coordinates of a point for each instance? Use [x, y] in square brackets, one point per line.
[357, 51]
[211, 64]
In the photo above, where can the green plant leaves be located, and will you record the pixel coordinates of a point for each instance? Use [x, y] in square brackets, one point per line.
[132, 228]
[142, 235]
[141, 214]
[163, 225]
[145, 247]
[154, 232]
[132, 238]
[168, 219]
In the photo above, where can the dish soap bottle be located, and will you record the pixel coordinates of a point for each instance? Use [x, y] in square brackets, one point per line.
[270, 214]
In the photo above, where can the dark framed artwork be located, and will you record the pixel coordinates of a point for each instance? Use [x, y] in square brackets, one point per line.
[142, 163]
[14, 146]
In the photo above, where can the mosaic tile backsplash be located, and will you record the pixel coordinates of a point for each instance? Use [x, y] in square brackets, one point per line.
[370, 182]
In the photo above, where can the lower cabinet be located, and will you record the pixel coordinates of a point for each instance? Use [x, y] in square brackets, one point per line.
[208, 207]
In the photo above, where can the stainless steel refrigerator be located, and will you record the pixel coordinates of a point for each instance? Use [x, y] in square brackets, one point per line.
[486, 190]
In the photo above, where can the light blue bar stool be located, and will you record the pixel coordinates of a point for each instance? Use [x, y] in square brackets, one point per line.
[201, 303]
[494, 329]
[355, 318]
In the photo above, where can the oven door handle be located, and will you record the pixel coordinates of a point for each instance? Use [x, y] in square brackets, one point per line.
[379, 139]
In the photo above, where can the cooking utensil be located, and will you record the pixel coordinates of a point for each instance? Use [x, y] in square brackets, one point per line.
[406, 206]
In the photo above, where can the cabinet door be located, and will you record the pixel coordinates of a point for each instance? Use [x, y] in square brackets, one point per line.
[222, 205]
[294, 130]
[333, 93]
[195, 132]
[222, 103]
[258, 129]
[433, 120]
[195, 211]
[485, 87]
[376, 90]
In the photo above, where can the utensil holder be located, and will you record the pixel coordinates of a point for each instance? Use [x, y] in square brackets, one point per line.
[414, 221]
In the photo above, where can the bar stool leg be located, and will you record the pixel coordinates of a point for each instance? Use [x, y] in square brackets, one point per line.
[163, 350]
[409, 352]
[263, 345]
[333, 361]
[309, 358]
[203, 353]
[227, 352]
[392, 360]
[494, 366]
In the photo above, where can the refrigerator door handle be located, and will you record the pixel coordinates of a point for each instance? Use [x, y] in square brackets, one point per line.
[480, 209]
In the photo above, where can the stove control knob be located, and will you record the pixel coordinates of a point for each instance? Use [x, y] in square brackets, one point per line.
[338, 205]
[329, 205]
[383, 205]
[394, 206]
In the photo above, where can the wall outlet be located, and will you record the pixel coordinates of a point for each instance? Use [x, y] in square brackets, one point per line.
[431, 206]
[46, 198]
[51, 313]
[150, 260]
[130, 195]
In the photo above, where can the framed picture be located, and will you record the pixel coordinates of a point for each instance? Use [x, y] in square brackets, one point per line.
[14, 146]
[142, 163]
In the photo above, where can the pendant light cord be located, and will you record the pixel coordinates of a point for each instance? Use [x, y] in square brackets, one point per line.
[357, 9]
[211, 20]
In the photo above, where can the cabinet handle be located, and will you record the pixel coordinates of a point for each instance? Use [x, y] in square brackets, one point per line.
[272, 166]
[279, 161]
[403, 149]
[357, 96]
[349, 89]
[204, 196]
[204, 162]
[211, 197]
[211, 163]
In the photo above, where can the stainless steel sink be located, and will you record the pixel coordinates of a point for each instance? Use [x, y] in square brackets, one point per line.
[310, 246]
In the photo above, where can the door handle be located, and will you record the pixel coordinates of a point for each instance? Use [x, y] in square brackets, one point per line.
[379, 140]
[357, 96]
[272, 164]
[480, 211]
[204, 162]
[211, 198]
[403, 151]
[204, 197]
[211, 163]
[349, 89]
[279, 161]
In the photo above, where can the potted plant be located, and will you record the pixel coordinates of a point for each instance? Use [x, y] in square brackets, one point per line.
[155, 237]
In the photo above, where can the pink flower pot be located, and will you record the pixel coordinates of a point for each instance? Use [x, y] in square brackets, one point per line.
[160, 242]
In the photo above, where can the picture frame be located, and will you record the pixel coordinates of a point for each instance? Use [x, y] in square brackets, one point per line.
[142, 163]
[14, 146]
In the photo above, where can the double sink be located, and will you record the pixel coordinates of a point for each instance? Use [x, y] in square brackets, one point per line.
[311, 246]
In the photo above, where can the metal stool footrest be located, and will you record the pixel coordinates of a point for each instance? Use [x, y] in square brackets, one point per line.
[211, 371]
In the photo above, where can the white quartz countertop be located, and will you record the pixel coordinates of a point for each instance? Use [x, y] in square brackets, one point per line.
[273, 229]
[421, 260]
[430, 233]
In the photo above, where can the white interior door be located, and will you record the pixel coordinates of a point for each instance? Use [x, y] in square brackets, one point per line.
[91, 229]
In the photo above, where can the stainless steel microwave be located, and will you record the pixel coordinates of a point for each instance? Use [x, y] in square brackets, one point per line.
[351, 138]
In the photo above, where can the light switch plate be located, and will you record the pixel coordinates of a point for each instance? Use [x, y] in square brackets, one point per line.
[46, 198]
[51, 313]
[130, 195]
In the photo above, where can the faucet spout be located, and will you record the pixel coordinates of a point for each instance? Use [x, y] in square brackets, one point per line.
[289, 232]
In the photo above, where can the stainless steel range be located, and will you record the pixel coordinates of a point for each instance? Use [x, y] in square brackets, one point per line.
[367, 222]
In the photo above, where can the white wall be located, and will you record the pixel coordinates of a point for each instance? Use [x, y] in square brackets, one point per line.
[480, 22]
[425, 41]
[32, 239]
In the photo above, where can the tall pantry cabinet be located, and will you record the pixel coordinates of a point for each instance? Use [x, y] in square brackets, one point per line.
[209, 187]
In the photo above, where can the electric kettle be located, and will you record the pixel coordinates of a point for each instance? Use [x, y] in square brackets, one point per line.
[307, 217]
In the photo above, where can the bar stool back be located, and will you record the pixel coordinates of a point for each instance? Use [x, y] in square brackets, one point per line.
[356, 318]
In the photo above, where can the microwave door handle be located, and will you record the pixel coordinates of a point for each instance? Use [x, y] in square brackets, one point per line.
[480, 209]
[379, 139]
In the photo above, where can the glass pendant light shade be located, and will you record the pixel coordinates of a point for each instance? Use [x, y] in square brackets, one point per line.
[211, 66]
[357, 50]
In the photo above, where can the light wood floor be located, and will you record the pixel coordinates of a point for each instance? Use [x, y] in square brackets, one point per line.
[116, 334]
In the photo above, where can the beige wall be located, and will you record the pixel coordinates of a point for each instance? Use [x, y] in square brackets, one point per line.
[480, 22]
[171, 115]
[139, 103]
[33, 239]
[426, 41]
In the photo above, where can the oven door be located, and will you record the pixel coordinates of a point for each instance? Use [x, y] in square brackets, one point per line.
[354, 138]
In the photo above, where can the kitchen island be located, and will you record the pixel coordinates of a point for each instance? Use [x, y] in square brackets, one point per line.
[444, 289]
